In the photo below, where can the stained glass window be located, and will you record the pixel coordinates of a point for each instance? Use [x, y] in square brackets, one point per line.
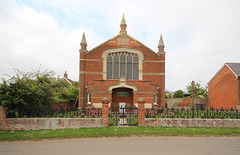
[122, 64]
[129, 71]
[135, 67]
[122, 69]
[122, 57]
[116, 66]
[135, 59]
[135, 71]
[109, 67]
[129, 58]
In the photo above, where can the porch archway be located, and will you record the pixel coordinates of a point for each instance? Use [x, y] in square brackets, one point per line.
[122, 97]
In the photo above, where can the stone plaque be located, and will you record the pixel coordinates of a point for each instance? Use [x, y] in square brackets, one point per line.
[122, 94]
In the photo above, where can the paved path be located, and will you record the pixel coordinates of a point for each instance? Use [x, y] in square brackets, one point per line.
[130, 145]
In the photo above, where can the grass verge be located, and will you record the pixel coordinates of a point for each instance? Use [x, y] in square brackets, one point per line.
[115, 132]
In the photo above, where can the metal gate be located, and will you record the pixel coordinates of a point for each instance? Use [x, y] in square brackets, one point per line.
[123, 116]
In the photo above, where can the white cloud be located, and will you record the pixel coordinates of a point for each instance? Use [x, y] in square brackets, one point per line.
[200, 36]
[30, 38]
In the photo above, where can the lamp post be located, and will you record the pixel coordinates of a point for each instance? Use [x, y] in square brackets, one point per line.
[192, 99]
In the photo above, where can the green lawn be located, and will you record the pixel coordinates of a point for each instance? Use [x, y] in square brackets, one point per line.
[115, 132]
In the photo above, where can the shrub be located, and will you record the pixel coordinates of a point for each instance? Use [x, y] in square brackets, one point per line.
[178, 94]
[27, 94]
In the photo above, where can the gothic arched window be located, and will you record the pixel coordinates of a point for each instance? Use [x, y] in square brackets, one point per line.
[122, 64]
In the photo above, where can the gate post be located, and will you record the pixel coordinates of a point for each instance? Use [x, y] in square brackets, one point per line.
[141, 103]
[2, 118]
[105, 102]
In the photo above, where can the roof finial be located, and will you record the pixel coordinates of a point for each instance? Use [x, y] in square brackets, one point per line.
[123, 22]
[83, 39]
[83, 42]
[161, 44]
[123, 25]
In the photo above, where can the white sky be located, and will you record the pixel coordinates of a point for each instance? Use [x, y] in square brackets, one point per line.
[199, 35]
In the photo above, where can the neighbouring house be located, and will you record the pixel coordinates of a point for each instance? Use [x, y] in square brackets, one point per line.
[123, 70]
[64, 106]
[65, 78]
[224, 87]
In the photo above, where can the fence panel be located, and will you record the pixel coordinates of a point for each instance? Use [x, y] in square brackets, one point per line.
[193, 113]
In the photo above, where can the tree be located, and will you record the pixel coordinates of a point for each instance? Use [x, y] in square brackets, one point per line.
[178, 94]
[168, 96]
[63, 92]
[199, 91]
[27, 94]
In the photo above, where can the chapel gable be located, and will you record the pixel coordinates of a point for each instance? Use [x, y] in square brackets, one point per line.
[121, 57]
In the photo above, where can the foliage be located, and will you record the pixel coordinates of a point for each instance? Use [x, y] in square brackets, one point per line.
[178, 94]
[27, 94]
[166, 105]
[199, 91]
[63, 92]
[132, 120]
[69, 114]
[168, 96]
[113, 121]
[59, 86]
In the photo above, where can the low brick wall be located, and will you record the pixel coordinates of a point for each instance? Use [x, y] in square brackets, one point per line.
[178, 122]
[186, 102]
[49, 123]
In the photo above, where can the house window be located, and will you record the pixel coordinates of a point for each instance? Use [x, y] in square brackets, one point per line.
[122, 64]
[155, 98]
[89, 98]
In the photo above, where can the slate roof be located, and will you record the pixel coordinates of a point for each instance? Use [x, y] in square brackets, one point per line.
[235, 67]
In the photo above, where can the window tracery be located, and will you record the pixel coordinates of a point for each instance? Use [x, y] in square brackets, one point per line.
[122, 64]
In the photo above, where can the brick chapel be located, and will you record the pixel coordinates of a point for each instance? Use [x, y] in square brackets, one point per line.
[123, 70]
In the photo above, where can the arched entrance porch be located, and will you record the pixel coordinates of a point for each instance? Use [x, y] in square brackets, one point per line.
[122, 93]
[122, 111]
[122, 97]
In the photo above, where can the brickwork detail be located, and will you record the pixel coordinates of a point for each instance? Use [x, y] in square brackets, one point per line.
[145, 89]
[93, 70]
[176, 122]
[141, 103]
[224, 90]
[105, 105]
[2, 113]
[2, 117]
[74, 123]
[51, 123]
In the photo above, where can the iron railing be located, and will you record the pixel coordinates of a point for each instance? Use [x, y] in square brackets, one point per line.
[84, 112]
[193, 113]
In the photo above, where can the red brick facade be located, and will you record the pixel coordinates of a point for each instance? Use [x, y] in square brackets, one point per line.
[93, 73]
[224, 89]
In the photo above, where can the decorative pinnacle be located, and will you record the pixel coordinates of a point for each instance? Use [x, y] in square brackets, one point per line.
[161, 44]
[83, 40]
[123, 22]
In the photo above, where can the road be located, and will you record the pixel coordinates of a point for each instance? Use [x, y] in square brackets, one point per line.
[126, 145]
